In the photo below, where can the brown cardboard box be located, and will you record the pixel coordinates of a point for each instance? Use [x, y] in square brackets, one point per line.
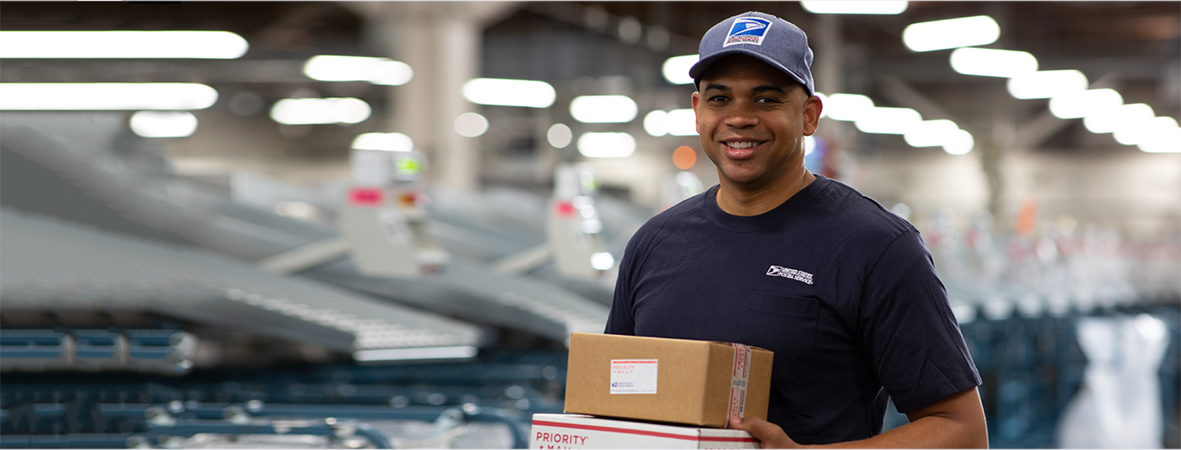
[666, 380]
[572, 431]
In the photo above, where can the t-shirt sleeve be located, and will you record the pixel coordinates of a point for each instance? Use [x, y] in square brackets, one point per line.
[911, 336]
[621, 320]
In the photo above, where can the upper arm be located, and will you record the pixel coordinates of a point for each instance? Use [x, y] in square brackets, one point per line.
[963, 414]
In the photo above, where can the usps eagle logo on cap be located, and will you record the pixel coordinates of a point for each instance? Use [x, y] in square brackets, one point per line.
[747, 30]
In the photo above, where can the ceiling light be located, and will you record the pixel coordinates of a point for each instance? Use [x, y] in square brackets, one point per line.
[105, 96]
[358, 68]
[1082, 104]
[606, 145]
[959, 143]
[122, 44]
[656, 123]
[470, 124]
[681, 122]
[809, 145]
[1144, 131]
[390, 142]
[930, 133]
[1164, 141]
[503, 92]
[854, 7]
[602, 261]
[1107, 121]
[847, 107]
[1047, 84]
[603, 109]
[559, 135]
[163, 124]
[885, 120]
[951, 33]
[990, 62]
[415, 353]
[310, 111]
[676, 69]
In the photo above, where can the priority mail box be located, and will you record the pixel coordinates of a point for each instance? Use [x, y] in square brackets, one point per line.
[582, 431]
[681, 381]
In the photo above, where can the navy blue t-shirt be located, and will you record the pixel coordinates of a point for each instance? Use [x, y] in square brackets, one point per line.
[842, 290]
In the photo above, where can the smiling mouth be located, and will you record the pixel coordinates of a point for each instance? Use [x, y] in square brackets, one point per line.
[742, 145]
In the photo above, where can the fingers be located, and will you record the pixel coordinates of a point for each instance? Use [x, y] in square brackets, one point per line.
[769, 434]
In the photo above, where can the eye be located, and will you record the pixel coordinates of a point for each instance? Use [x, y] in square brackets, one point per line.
[767, 100]
[718, 98]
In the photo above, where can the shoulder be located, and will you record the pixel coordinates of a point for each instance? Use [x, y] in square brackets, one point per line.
[862, 225]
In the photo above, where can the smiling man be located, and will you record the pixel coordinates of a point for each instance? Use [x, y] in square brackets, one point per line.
[843, 291]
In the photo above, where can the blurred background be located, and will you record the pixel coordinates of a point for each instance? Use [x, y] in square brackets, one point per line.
[374, 224]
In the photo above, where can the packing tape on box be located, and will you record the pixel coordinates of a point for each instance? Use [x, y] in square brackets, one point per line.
[738, 377]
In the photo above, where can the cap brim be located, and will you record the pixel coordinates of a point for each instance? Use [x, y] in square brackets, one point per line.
[698, 69]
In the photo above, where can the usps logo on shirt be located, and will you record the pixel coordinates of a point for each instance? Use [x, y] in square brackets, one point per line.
[791, 274]
[747, 30]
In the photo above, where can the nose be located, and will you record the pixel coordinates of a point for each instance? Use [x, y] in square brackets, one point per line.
[740, 116]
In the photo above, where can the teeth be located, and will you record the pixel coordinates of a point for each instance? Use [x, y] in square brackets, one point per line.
[742, 145]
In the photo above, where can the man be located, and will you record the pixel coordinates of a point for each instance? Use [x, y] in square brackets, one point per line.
[843, 291]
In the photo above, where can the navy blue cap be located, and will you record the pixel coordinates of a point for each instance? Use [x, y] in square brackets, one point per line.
[770, 39]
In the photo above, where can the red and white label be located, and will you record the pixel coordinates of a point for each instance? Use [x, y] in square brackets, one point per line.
[738, 378]
[633, 376]
[561, 431]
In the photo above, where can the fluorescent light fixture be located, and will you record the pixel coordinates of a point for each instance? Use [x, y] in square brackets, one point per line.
[854, 7]
[1082, 104]
[1107, 121]
[603, 109]
[470, 124]
[606, 145]
[1135, 133]
[991, 62]
[419, 353]
[105, 96]
[1164, 141]
[122, 44]
[656, 123]
[931, 133]
[310, 111]
[559, 135]
[163, 124]
[503, 92]
[1047, 84]
[886, 120]
[602, 260]
[823, 104]
[676, 69]
[847, 107]
[381, 71]
[951, 33]
[389, 142]
[959, 143]
[809, 145]
[681, 122]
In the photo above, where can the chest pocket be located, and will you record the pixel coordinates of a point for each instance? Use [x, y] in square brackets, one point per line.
[785, 325]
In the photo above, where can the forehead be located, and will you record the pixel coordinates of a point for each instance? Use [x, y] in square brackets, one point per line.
[737, 68]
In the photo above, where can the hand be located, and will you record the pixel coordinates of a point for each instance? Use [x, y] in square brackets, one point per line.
[769, 434]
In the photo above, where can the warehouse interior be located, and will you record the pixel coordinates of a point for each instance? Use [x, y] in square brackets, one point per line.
[376, 224]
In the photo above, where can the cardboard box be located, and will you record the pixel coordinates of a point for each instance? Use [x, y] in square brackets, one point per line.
[681, 381]
[582, 431]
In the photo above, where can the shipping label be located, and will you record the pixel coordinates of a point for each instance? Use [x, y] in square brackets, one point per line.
[633, 376]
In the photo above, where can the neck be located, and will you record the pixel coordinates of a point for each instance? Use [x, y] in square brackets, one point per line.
[740, 201]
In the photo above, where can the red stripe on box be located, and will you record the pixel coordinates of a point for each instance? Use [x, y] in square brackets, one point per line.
[641, 432]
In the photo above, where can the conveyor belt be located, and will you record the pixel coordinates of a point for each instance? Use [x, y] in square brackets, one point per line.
[52, 265]
[151, 197]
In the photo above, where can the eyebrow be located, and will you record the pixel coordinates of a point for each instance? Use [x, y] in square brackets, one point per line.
[756, 89]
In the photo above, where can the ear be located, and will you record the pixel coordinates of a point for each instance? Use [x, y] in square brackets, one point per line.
[697, 112]
[812, 109]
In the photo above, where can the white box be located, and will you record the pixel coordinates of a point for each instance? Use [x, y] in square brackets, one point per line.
[583, 431]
